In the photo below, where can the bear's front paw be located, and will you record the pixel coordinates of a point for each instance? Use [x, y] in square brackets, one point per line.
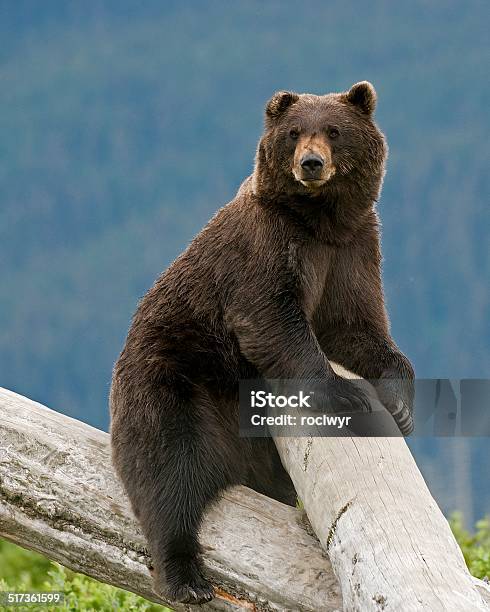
[346, 396]
[396, 395]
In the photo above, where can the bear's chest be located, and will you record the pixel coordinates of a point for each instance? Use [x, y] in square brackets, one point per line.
[311, 263]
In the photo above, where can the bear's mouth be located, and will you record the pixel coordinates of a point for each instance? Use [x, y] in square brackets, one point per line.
[314, 182]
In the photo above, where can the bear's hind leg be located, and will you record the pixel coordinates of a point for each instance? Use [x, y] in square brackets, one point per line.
[172, 470]
[173, 524]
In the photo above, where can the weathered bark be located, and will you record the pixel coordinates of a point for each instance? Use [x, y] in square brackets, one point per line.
[389, 544]
[60, 497]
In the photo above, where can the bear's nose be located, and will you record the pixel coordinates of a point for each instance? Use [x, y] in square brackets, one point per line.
[311, 162]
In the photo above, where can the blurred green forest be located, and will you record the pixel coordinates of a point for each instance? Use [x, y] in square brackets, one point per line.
[125, 125]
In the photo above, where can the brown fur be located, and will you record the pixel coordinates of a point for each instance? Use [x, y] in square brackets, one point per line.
[282, 278]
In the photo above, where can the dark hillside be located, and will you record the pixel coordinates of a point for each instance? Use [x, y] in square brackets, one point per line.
[125, 125]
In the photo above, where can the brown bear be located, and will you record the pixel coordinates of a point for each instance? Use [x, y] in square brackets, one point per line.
[282, 279]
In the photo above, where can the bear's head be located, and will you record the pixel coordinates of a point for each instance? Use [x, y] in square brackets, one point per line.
[321, 146]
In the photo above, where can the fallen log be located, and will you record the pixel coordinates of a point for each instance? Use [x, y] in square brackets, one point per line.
[60, 497]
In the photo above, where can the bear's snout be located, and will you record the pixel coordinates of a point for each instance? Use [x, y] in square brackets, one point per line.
[312, 165]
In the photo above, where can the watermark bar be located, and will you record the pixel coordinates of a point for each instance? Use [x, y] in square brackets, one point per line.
[441, 407]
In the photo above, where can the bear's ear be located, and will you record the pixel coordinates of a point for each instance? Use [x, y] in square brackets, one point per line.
[363, 96]
[279, 102]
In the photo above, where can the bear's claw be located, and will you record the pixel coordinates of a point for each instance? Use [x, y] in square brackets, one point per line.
[192, 594]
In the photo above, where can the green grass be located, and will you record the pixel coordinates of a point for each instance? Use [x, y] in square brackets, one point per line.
[475, 547]
[23, 570]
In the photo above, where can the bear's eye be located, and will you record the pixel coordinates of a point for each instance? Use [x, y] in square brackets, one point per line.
[333, 133]
[294, 134]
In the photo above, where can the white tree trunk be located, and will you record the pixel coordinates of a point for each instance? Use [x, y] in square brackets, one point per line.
[389, 544]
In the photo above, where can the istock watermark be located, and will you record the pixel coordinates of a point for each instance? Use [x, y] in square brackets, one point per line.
[441, 407]
[36, 599]
[261, 399]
